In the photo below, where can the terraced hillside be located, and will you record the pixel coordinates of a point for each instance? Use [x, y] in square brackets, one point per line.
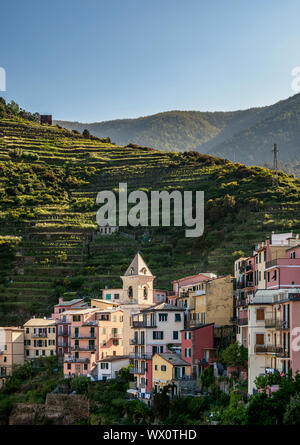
[49, 178]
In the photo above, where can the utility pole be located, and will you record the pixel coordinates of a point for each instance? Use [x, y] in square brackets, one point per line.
[275, 166]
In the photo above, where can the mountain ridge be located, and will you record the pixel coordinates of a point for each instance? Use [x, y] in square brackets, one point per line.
[245, 136]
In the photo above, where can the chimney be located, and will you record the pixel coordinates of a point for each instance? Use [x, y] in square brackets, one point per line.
[60, 300]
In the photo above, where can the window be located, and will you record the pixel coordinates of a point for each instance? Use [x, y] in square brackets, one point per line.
[175, 335]
[103, 330]
[36, 352]
[51, 352]
[117, 296]
[177, 317]
[76, 317]
[69, 365]
[274, 277]
[260, 339]
[104, 365]
[187, 352]
[163, 367]
[43, 352]
[130, 292]
[260, 314]
[5, 359]
[108, 296]
[203, 317]
[162, 317]
[27, 330]
[85, 366]
[187, 335]
[157, 349]
[158, 335]
[156, 367]
[145, 293]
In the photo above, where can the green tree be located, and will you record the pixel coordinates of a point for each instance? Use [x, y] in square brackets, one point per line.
[80, 384]
[235, 354]
[86, 134]
[161, 404]
[292, 413]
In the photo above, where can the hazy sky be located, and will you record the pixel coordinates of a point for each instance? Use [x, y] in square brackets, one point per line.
[96, 60]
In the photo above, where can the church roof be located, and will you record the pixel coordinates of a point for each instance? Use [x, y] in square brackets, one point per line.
[138, 267]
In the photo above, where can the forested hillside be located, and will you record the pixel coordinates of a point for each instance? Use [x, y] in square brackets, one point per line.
[49, 178]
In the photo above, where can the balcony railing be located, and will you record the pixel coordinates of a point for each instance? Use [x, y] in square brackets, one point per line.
[136, 341]
[40, 335]
[277, 324]
[271, 349]
[84, 337]
[140, 356]
[115, 335]
[143, 324]
[242, 321]
[82, 348]
[76, 360]
[271, 263]
[241, 302]
[137, 370]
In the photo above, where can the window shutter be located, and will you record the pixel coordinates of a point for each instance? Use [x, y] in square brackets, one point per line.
[260, 314]
[260, 339]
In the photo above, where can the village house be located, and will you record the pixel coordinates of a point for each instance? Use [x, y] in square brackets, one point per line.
[109, 367]
[11, 350]
[197, 347]
[169, 369]
[39, 338]
[274, 320]
[63, 327]
[155, 330]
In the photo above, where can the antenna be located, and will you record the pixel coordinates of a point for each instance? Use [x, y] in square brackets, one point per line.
[275, 177]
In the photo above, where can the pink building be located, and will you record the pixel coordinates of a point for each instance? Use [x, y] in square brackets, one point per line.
[84, 345]
[284, 271]
[63, 323]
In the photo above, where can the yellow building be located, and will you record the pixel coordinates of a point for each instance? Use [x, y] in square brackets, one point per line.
[39, 338]
[169, 369]
[213, 303]
[11, 349]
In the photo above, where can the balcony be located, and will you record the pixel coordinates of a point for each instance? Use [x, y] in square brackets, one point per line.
[140, 356]
[271, 349]
[140, 371]
[143, 324]
[242, 302]
[136, 341]
[277, 324]
[242, 321]
[115, 335]
[81, 348]
[40, 335]
[76, 360]
[84, 337]
[90, 323]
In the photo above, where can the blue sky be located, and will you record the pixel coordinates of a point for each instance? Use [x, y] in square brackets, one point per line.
[97, 60]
